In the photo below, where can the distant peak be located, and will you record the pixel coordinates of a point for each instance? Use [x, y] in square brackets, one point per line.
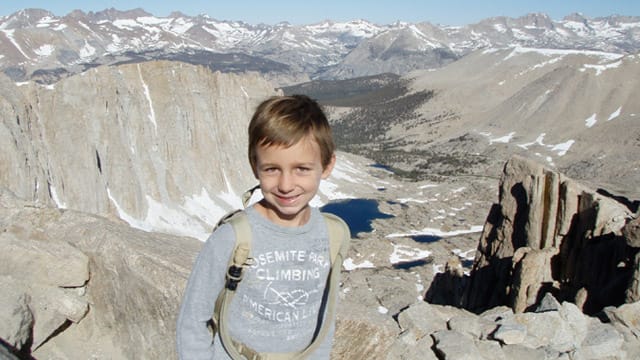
[177, 14]
[114, 14]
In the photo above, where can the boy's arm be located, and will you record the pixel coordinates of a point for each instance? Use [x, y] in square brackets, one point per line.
[193, 339]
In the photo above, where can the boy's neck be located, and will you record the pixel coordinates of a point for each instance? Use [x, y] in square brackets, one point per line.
[271, 214]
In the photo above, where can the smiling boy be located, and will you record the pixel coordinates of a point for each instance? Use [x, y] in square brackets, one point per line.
[281, 303]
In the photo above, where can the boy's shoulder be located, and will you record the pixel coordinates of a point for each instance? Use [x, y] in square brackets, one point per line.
[241, 221]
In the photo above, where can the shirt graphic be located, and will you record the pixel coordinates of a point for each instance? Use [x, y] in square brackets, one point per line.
[285, 290]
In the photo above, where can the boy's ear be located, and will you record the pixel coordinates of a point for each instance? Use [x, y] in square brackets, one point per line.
[327, 169]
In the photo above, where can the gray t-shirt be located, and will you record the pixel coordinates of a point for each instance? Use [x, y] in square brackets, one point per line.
[278, 303]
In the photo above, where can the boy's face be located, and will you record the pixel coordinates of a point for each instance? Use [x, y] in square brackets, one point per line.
[289, 179]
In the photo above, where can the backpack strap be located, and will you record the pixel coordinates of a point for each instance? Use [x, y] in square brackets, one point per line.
[239, 258]
[339, 237]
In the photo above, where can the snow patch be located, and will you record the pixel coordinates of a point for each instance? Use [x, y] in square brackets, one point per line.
[404, 253]
[350, 265]
[537, 141]
[562, 148]
[562, 52]
[590, 121]
[203, 207]
[87, 50]
[56, 199]
[503, 139]
[601, 68]
[615, 114]
[163, 218]
[9, 34]
[231, 198]
[437, 232]
[152, 113]
[45, 50]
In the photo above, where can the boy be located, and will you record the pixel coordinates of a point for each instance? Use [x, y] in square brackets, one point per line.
[279, 305]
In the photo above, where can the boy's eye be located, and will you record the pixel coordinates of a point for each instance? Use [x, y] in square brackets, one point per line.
[303, 169]
[268, 170]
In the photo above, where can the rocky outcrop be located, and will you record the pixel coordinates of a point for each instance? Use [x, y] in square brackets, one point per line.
[76, 286]
[549, 234]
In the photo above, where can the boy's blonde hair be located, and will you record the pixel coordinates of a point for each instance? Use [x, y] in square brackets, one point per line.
[285, 120]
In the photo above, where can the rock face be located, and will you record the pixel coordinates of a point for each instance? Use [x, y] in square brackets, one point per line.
[132, 141]
[549, 234]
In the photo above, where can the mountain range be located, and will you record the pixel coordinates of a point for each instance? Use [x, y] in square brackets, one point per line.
[573, 107]
[35, 44]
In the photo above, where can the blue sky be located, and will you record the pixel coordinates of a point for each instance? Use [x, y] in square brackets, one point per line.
[449, 12]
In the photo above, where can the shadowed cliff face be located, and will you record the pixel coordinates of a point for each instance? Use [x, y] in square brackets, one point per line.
[548, 235]
[161, 145]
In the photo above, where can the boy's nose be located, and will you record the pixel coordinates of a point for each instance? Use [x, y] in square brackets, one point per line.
[285, 183]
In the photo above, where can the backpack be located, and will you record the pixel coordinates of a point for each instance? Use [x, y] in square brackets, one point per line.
[339, 237]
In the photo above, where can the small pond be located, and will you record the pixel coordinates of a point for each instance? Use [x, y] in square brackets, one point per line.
[426, 239]
[357, 213]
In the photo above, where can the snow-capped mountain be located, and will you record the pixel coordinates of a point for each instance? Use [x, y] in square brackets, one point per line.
[35, 44]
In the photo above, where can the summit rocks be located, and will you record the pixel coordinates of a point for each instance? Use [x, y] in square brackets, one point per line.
[105, 289]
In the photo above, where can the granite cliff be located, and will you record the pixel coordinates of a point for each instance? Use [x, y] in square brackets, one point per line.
[132, 141]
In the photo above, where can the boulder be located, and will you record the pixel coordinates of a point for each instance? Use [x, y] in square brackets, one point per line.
[631, 232]
[15, 316]
[363, 331]
[55, 263]
[51, 273]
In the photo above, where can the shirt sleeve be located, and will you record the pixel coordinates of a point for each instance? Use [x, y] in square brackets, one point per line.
[193, 339]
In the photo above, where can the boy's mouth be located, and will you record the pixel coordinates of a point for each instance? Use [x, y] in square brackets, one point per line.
[287, 200]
